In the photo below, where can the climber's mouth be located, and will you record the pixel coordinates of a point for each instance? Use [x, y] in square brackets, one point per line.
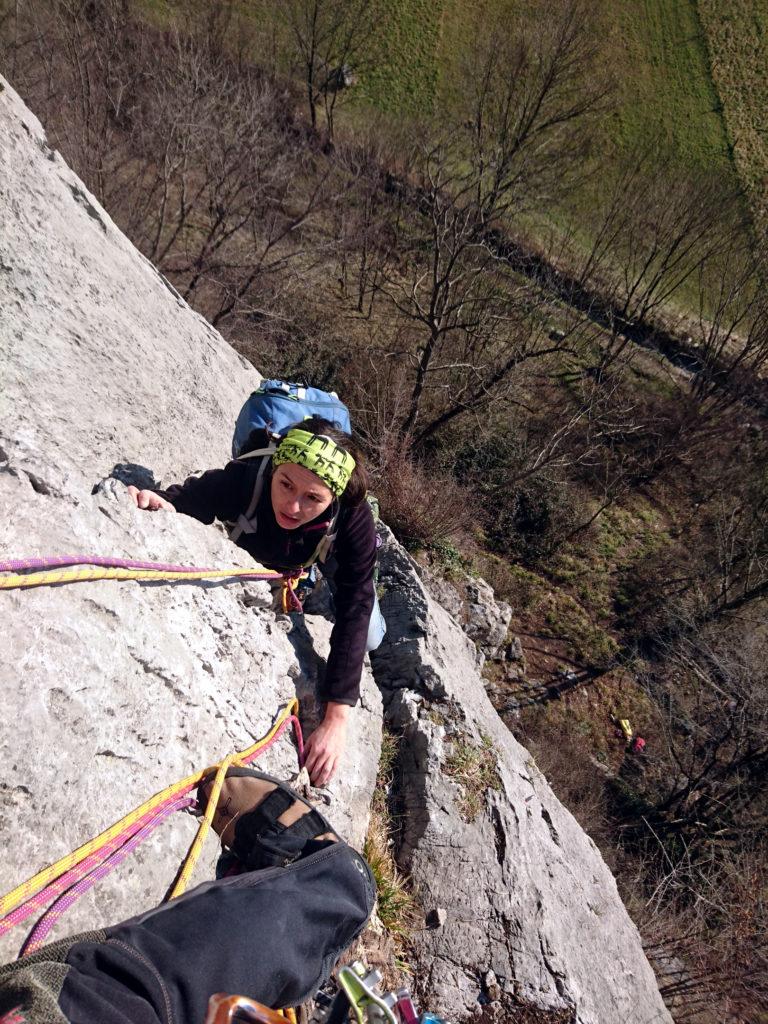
[288, 522]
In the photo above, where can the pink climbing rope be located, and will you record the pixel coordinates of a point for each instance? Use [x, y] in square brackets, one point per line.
[68, 887]
[88, 878]
[37, 903]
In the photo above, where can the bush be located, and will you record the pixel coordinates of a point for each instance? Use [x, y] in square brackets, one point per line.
[533, 521]
[527, 516]
[424, 507]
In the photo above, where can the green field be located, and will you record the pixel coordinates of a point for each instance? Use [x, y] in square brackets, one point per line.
[404, 75]
[665, 96]
[689, 79]
[738, 48]
[655, 50]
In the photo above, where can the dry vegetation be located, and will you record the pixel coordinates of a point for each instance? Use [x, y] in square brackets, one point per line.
[582, 421]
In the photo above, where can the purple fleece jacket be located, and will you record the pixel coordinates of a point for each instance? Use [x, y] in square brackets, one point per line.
[225, 494]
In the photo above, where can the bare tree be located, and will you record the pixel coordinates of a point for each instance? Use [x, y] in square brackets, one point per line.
[474, 318]
[332, 42]
[738, 549]
[731, 339]
[365, 224]
[191, 149]
[659, 232]
[710, 686]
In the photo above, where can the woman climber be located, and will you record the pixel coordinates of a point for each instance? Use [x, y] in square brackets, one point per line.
[287, 506]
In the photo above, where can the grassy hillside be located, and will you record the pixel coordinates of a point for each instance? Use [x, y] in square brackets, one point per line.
[655, 49]
[738, 46]
[664, 90]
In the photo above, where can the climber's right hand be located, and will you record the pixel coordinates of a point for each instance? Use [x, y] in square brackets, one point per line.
[149, 500]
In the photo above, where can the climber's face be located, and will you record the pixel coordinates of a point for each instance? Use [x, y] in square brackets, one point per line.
[298, 495]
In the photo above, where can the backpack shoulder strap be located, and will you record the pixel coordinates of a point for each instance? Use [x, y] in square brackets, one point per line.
[323, 549]
[246, 522]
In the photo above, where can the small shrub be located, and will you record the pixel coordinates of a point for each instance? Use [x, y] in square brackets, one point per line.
[448, 559]
[532, 521]
[424, 507]
[525, 516]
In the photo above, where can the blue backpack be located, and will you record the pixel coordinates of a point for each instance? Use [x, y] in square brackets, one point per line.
[277, 405]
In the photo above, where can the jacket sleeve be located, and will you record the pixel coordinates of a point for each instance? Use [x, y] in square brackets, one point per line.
[355, 552]
[217, 494]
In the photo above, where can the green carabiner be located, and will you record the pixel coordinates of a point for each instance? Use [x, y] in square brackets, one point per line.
[362, 998]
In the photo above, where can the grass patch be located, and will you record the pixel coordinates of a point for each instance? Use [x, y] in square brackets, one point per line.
[565, 619]
[520, 587]
[665, 91]
[475, 768]
[395, 905]
[404, 79]
[448, 560]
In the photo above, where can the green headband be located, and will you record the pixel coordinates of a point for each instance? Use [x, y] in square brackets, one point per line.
[318, 453]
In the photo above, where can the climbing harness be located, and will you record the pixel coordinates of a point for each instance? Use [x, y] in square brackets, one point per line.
[66, 880]
[39, 572]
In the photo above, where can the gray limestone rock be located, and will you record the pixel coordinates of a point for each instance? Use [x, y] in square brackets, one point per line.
[444, 592]
[487, 619]
[514, 650]
[526, 893]
[110, 691]
[472, 603]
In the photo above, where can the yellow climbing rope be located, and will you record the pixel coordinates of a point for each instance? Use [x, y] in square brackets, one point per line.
[27, 889]
[202, 831]
[49, 577]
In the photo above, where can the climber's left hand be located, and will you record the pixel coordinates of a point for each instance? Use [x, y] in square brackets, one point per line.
[325, 746]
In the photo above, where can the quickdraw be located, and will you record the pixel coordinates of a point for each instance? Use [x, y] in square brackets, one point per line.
[359, 995]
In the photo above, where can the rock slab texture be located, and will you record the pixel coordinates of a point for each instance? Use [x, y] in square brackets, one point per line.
[511, 887]
[110, 691]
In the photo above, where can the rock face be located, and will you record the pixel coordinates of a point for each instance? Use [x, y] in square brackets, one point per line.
[472, 603]
[511, 887]
[487, 619]
[110, 691]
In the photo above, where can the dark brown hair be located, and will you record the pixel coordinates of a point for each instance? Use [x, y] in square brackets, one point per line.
[357, 487]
